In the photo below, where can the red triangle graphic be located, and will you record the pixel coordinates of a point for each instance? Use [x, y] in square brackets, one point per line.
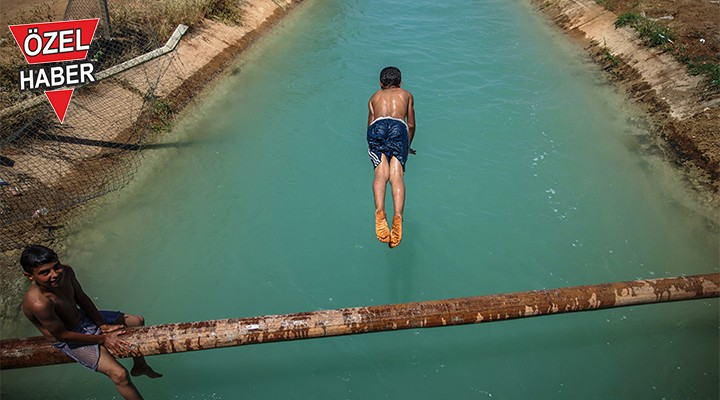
[60, 100]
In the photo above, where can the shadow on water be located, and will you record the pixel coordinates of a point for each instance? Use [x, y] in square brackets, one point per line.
[115, 145]
[400, 263]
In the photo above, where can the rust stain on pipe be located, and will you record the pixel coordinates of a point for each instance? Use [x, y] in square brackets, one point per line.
[202, 335]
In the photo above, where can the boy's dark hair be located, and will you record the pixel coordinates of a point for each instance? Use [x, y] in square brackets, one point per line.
[390, 76]
[35, 256]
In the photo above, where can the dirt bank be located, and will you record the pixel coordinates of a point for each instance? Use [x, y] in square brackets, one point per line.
[682, 111]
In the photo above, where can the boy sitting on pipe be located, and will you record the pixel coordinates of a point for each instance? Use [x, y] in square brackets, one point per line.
[57, 305]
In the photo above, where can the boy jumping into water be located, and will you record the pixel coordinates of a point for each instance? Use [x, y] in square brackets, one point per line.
[57, 305]
[391, 128]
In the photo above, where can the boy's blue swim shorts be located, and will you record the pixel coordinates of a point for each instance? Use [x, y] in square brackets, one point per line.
[389, 136]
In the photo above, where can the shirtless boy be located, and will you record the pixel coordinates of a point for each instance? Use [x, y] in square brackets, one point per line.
[391, 128]
[57, 305]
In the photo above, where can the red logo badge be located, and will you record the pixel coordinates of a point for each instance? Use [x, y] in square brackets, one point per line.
[56, 42]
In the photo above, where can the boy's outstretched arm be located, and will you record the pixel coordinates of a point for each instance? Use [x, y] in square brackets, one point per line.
[371, 112]
[411, 121]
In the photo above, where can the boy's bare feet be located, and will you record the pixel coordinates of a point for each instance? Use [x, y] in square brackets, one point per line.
[144, 370]
[396, 234]
[381, 226]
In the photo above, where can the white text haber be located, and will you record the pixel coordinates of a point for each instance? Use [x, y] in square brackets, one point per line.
[53, 77]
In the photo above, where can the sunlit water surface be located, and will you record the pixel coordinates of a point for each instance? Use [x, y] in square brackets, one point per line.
[530, 173]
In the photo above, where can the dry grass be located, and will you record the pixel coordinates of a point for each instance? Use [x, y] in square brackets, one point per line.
[11, 59]
[138, 26]
[162, 17]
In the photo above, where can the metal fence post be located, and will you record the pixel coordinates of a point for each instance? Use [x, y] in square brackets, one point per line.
[105, 15]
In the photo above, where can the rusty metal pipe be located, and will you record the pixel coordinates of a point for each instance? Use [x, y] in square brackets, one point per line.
[203, 335]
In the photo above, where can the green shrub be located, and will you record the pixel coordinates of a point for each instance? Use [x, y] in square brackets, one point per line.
[651, 32]
[627, 19]
[711, 69]
[614, 61]
[655, 34]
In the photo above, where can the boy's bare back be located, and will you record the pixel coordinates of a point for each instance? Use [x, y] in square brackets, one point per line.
[393, 102]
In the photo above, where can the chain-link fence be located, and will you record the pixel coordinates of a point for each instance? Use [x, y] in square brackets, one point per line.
[46, 167]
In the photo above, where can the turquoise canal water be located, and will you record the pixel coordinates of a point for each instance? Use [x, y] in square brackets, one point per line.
[530, 174]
